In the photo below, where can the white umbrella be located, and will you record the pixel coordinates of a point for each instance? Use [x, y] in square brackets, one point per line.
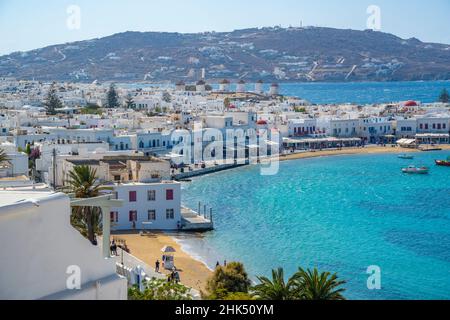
[168, 249]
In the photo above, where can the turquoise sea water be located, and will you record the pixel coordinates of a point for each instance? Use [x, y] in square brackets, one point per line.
[342, 214]
[354, 92]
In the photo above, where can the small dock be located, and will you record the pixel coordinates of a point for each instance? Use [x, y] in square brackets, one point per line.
[195, 221]
[207, 170]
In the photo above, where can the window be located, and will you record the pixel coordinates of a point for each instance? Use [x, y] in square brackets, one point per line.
[114, 216]
[115, 195]
[132, 216]
[132, 196]
[117, 178]
[151, 215]
[169, 194]
[151, 195]
[170, 214]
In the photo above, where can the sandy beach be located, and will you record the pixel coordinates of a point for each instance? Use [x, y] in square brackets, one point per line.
[147, 248]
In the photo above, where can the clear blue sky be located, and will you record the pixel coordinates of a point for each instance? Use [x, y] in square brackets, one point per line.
[30, 24]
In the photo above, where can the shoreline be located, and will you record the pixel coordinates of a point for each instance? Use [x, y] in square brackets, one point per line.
[353, 151]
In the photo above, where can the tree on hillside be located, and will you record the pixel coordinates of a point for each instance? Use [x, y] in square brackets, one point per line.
[226, 280]
[129, 102]
[52, 102]
[444, 96]
[112, 97]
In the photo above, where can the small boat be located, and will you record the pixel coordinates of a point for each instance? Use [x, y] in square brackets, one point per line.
[443, 163]
[415, 170]
[406, 156]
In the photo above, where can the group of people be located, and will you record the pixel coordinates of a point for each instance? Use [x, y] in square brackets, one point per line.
[113, 248]
[224, 264]
[174, 276]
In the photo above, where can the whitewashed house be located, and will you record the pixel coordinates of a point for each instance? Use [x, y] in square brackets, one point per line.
[155, 206]
[302, 127]
[17, 164]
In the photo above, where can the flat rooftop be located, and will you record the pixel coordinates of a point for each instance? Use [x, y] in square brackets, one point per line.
[10, 197]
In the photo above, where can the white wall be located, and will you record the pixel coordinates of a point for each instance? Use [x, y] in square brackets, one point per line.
[39, 244]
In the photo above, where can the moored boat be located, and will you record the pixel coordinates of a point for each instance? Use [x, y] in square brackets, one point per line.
[406, 156]
[443, 163]
[415, 170]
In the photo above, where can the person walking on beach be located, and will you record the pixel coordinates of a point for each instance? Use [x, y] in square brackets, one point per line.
[157, 266]
[217, 264]
[225, 263]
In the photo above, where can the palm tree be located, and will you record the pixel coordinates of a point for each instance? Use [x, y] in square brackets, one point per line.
[275, 289]
[310, 285]
[3, 156]
[83, 183]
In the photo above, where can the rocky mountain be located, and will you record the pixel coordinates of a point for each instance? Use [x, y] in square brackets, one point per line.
[270, 54]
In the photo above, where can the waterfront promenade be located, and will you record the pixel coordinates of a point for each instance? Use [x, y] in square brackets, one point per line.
[370, 149]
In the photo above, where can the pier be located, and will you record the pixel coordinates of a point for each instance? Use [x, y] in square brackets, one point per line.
[207, 170]
[195, 221]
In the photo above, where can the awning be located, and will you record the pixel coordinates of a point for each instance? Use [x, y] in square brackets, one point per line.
[406, 141]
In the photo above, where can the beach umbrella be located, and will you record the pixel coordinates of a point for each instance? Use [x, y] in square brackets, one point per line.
[168, 249]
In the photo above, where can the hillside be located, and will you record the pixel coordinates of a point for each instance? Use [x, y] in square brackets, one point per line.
[270, 54]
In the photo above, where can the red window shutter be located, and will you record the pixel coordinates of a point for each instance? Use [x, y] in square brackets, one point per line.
[132, 196]
[169, 194]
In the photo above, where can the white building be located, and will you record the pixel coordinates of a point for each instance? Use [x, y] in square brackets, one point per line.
[344, 128]
[240, 86]
[375, 129]
[259, 87]
[17, 164]
[301, 127]
[406, 128]
[224, 85]
[43, 254]
[155, 206]
[433, 124]
[200, 86]
[63, 147]
[274, 89]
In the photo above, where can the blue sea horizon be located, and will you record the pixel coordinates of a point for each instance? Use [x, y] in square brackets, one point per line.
[350, 92]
